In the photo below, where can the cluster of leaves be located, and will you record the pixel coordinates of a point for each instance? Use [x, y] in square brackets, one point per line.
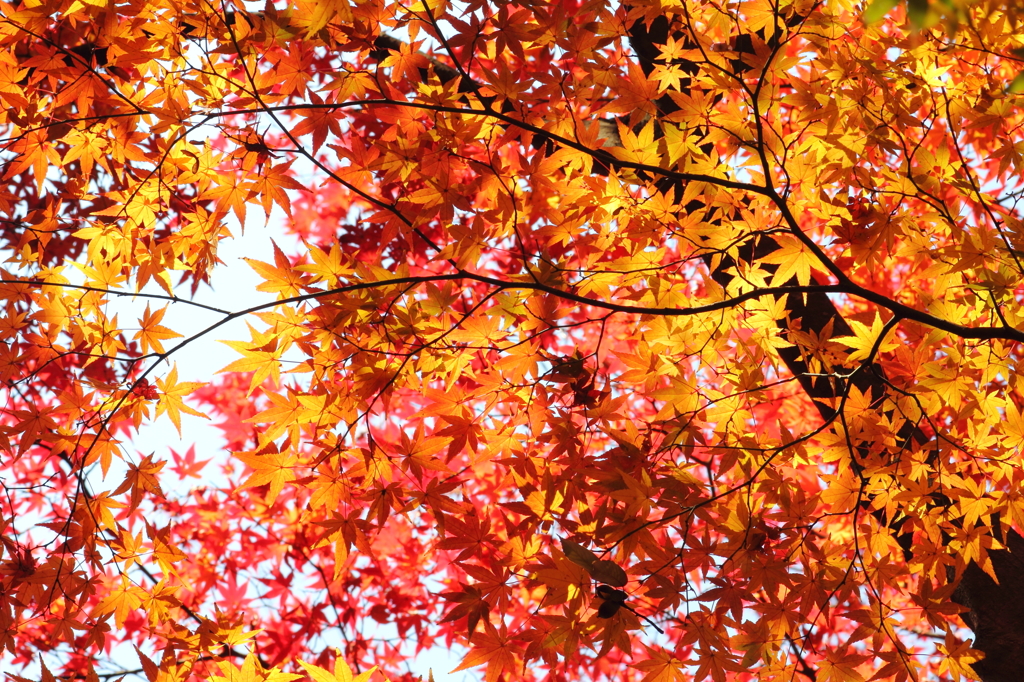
[675, 339]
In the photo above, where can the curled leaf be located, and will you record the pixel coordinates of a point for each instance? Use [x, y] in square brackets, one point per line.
[609, 572]
[601, 570]
[610, 594]
[578, 554]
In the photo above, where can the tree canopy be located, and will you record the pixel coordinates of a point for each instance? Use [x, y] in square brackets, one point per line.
[662, 340]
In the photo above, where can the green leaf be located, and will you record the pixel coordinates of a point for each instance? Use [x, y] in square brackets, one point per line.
[917, 10]
[1017, 85]
[877, 10]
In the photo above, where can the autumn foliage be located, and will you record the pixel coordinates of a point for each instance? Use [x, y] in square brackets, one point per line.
[657, 340]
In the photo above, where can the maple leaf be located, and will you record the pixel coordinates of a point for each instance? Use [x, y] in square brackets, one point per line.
[960, 657]
[261, 357]
[638, 148]
[405, 61]
[342, 672]
[186, 465]
[172, 394]
[233, 194]
[121, 601]
[281, 278]
[319, 121]
[470, 605]
[866, 338]
[251, 670]
[661, 667]
[795, 260]
[129, 548]
[274, 469]
[329, 266]
[141, 478]
[272, 186]
[493, 648]
[840, 668]
[165, 551]
[152, 333]
[517, 298]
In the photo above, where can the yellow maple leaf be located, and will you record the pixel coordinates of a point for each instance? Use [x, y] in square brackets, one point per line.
[172, 396]
[262, 358]
[1013, 427]
[842, 493]
[121, 601]
[282, 278]
[864, 339]
[342, 673]
[638, 147]
[958, 658]
[151, 333]
[794, 260]
[250, 671]
[328, 266]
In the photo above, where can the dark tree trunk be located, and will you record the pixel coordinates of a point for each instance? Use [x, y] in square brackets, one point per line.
[996, 612]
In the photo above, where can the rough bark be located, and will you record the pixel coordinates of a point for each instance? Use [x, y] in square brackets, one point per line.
[996, 612]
